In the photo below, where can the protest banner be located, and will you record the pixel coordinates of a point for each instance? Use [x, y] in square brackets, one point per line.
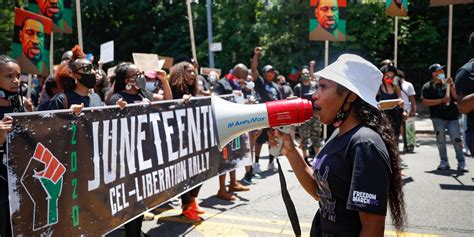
[396, 7]
[435, 3]
[147, 62]
[31, 42]
[327, 20]
[87, 175]
[107, 51]
[58, 11]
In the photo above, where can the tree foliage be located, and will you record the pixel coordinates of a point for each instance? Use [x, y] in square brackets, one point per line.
[281, 28]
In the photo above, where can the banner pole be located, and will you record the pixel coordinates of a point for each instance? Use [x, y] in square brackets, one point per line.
[191, 29]
[79, 23]
[51, 55]
[28, 91]
[209, 33]
[450, 39]
[395, 51]
[326, 63]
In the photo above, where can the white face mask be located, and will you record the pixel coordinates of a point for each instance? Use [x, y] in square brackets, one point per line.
[150, 86]
[441, 76]
[212, 78]
[250, 85]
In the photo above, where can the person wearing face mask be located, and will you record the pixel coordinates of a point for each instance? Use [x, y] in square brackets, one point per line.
[356, 176]
[157, 85]
[232, 83]
[74, 77]
[390, 89]
[310, 131]
[439, 94]
[285, 89]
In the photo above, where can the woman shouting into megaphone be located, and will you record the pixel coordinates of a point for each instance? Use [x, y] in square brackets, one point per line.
[357, 175]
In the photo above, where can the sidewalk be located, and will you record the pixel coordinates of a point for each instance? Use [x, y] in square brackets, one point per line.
[423, 123]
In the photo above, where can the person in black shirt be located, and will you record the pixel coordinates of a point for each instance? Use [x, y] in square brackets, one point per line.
[444, 115]
[310, 130]
[232, 83]
[267, 90]
[74, 77]
[11, 101]
[51, 89]
[465, 90]
[125, 86]
[357, 175]
[184, 85]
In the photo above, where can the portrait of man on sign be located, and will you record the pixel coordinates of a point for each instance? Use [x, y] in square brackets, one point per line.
[327, 20]
[59, 11]
[31, 42]
[396, 7]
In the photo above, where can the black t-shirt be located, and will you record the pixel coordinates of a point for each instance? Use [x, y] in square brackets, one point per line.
[129, 98]
[66, 99]
[223, 87]
[353, 174]
[433, 91]
[268, 91]
[465, 86]
[285, 91]
[305, 92]
[179, 95]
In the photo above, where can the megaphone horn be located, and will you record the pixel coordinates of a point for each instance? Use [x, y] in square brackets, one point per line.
[233, 120]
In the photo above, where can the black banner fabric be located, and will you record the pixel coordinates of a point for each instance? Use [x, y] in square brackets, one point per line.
[91, 173]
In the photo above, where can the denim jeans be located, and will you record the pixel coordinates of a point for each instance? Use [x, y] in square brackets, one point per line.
[454, 131]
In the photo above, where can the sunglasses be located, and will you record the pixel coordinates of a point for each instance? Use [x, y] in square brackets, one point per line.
[136, 75]
[86, 68]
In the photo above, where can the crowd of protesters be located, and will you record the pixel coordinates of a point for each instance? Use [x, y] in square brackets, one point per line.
[77, 83]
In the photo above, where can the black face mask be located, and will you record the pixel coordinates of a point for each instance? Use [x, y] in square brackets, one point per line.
[342, 115]
[88, 80]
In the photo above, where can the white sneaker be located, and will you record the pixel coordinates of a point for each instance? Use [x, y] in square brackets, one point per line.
[272, 166]
[256, 168]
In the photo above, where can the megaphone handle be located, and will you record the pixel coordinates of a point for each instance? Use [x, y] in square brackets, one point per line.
[276, 150]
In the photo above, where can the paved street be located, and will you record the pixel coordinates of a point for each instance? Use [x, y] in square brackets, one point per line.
[438, 203]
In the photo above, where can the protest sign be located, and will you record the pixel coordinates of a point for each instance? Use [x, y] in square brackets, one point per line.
[205, 71]
[327, 20]
[396, 7]
[58, 11]
[31, 42]
[435, 3]
[147, 62]
[88, 174]
[168, 61]
[107, 52]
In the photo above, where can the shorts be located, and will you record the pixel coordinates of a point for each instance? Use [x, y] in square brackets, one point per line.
[263, 138]
[312, 130]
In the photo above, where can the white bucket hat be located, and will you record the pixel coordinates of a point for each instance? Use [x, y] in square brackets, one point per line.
[356, 74]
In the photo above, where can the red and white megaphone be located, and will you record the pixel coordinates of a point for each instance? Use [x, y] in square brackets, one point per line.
[233, 120]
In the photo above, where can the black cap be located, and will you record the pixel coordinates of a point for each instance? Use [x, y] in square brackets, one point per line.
[435, 67]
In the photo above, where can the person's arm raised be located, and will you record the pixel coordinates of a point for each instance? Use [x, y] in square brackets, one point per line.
[256, 57]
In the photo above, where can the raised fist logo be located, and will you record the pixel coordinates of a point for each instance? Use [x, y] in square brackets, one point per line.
[46, 170]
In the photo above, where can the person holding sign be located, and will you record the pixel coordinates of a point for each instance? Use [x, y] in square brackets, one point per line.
[357, 175]
[439, 94]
